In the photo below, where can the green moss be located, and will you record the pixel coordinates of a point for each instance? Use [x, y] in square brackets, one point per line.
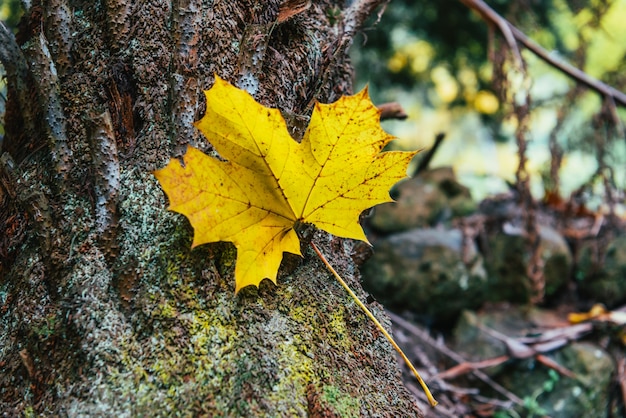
[165, 311]
[29, 412]
[228, 257]
[188, 343]
[337, 331]
[342, 403]
[296, 372]
[47, 327]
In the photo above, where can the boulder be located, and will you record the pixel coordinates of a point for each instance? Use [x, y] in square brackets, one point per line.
[425, 200]
[423, 271]
[602, 274]
[508, 257]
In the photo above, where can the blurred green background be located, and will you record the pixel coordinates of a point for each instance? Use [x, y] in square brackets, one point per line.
[433, 58]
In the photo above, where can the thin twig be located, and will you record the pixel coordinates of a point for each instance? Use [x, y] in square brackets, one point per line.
[427, 158]
[382, 329]
[424, 337]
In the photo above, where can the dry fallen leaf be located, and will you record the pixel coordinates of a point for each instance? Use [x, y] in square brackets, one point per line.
[599, 313]
[269, 183]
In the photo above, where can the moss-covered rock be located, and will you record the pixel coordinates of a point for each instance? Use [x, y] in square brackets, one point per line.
[423, 271]
[601, 273]
[508, 258]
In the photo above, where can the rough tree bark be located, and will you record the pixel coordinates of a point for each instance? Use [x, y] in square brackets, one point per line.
[105, 310]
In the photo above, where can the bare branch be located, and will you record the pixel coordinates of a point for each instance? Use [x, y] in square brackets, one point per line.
[186, 29]
[10, 54]
[424, 337]
[252, 49]
[580, 76]
[103, 148]
[428, 156]
[354, 16]
[392, 110]
[58, 32]
[570, 70]
[43, 68]
[118, 12]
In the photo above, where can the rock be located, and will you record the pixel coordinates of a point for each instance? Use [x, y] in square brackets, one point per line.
[602, 275]
[559, 396]
[423, 271]
[432, 197]
[544, 391]
[474, 344]
[508, 257]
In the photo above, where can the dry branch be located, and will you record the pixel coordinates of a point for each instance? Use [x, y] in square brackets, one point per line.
[424, 337]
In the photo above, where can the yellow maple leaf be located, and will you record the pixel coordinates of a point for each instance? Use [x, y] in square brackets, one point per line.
[269, 182]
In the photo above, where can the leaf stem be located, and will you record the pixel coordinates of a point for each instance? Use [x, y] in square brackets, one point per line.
[371, 316]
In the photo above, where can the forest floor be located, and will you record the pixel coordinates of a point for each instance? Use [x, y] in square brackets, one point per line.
[469, 381]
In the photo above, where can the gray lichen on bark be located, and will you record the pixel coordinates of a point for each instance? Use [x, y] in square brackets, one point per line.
[137, 323]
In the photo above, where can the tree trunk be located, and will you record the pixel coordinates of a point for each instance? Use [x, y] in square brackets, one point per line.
[105, 309]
